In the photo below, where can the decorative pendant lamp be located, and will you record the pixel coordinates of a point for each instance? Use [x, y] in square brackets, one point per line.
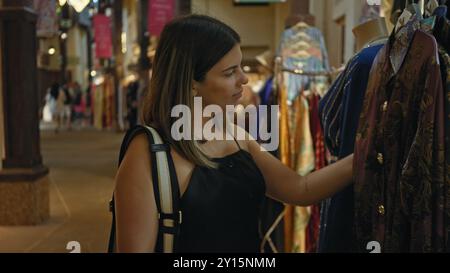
[79, 5]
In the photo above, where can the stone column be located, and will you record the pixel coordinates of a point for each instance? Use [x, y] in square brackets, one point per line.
[24, 182]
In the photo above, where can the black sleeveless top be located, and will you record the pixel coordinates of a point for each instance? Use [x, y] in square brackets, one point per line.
[221, 207]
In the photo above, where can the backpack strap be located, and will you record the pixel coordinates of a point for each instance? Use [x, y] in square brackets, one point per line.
[167, 194]
[165, 186]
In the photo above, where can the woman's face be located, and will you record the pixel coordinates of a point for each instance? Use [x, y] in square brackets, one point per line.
[223, 83]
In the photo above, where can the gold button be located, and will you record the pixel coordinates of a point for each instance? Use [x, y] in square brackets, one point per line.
[385, 106]
[381, 210]
[380, 158]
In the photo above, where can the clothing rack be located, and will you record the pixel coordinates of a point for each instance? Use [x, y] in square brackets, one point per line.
[313, 73]
[279, 68]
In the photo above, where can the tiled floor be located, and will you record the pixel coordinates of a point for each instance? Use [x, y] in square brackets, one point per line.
[82, 166]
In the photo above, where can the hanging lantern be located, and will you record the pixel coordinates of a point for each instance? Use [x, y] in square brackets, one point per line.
[62, 2]
[78, 5]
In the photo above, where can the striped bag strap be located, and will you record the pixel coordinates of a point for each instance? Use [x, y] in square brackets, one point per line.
[165, 187]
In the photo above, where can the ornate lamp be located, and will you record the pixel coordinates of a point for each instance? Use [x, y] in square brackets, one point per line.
[78, 5]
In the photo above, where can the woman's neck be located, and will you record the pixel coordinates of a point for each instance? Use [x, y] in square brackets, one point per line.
[370, 31]
[221, 128]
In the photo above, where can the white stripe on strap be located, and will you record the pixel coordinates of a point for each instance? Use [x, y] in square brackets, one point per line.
[165, 190]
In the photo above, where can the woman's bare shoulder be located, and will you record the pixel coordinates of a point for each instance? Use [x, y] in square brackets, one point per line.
[136, 163]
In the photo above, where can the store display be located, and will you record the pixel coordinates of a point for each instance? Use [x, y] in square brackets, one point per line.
[339, 112]
[401, 177]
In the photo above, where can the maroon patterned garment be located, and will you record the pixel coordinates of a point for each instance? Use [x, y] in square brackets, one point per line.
[312, 230]
[399, 149]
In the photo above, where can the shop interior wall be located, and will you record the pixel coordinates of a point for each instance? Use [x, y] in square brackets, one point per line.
[336, 19]
[260, 27]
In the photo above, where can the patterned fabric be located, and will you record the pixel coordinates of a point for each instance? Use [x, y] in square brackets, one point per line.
[445, 70]
[316, 132]
[339, 112]
[312, 230]
[303, 156]
[442, 34]
[303, 48]
[285, 157]
[399, 149]
[272, 229]
[303, 141]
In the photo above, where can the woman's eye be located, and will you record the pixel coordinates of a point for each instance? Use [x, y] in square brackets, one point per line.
[230, 73]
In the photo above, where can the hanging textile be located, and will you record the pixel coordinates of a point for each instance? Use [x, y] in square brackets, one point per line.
[98, 106]
[442, 34]
[304, 162]
[303, 53]
[109, 105]
[312, 230]
[303, 48]
[339, 111]
[272, 228]
[399, 149]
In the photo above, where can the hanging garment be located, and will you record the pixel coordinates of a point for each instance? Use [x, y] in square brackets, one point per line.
[445, 70]
[303, 48]
[339, 112]
[312, 230]
[98, 106]
[316, 132]
[399, 149]
[305, 163]
[442, 28]
[266, 91]
[442, 34]
[285, 157]
[272, 228]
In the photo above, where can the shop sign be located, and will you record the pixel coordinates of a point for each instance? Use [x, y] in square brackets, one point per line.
[102, 36]
[159, 13]
[46, 21]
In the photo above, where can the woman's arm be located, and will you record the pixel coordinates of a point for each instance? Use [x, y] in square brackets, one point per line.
[287, 186]
[136, 212]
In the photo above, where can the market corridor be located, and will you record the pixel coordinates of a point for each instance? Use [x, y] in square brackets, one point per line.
[82, 167]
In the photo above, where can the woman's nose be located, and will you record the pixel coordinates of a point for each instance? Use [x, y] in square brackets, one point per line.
[244, 78]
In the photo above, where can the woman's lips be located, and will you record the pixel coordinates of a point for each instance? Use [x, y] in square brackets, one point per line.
[239, 94]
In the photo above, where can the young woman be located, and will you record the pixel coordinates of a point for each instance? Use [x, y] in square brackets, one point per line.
[222, 182]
